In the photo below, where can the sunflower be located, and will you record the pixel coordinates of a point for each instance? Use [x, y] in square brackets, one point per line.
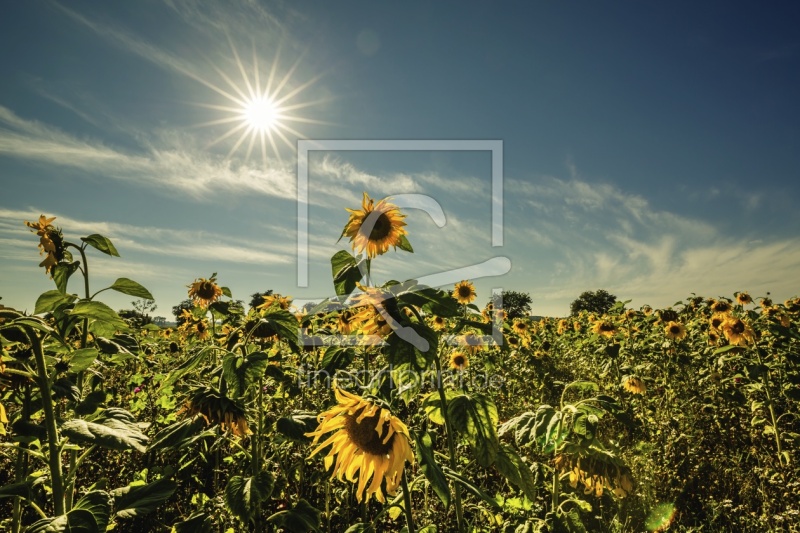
[282, 302]
[634, 385]
[439, 323]
[743, 298]
[647, 310]
[368, 441]
[562, 326]
[51, 242]
[738, 332]
[372, 317]
[471, 341]
[713, 338]
[721, 306]
[604, 327]
[204, 292]
[717, 319]
[458, 360]
[675, 330]
[386, 227]
[216, 408]
[520, 327]
[464, 293]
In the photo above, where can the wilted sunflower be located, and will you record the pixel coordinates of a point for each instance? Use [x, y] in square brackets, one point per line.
[373, 314]
[738, 332]
[743, 298]
[368, 441]
[458, 360]
[675, 330]
[634, 385]
[345, 322]
[387, 224]
[51, 242]
[204, 292]
[216, 408]
[604, 327]
[464, 293]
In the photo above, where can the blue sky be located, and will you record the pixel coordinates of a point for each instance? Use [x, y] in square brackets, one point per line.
[650, 149]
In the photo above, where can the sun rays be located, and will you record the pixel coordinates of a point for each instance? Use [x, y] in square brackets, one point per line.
[259, 111]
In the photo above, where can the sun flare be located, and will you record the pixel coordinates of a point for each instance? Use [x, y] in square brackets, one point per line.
[258, 111]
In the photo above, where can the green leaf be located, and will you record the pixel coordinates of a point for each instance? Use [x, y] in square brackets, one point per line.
[91, 403]
[433, 405]
[243, 372]
[243, 495]
[197, 523]
[335, 358]
[131, 501]
[131, 288]
[178, 435]
[49, 301]
[433, 473]
[82, 521]
[82, 359]
[301, 518]
[58, 524]
[345, 272]
[12, 490]
[115, 429]
[404, 244]
[515, 470]
[104, 320]
[61, 274]
[403, 347]
[476, 416]
[101, 243]
[296, 425]
[98, 503]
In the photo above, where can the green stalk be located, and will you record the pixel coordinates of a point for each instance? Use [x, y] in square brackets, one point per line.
[407, 504]
[21, 467]
[556, 487]
[772, 414]
[451, 446]
[54, 451]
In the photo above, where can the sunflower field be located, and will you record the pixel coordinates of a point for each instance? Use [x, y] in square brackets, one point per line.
[393, 407]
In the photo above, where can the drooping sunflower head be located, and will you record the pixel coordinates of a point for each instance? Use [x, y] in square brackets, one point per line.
[375, 312]
[647, 310]
[216, 408]
[667, 315]
[374, 228]
[634, 385]
[675, 330]
[51, 242]
[743, 298]
[604, 328]
[204, 292]
[464, 292]
[368, 442]
[458, 360]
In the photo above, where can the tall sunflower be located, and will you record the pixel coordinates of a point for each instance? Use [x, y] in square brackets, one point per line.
[738, 333]
[604, 328]
[51, 242]
[204, 292]
[384, 222]
[464, 292]
[368, 441]
[743, 298]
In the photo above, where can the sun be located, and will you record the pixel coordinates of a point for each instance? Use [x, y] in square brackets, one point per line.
[259, 112]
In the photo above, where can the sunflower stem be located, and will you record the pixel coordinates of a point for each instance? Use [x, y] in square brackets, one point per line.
[54, 451]
[407, 504]
[771, 407]
[451, 447]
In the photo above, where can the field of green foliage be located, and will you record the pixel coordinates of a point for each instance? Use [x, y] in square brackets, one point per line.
[393, 407]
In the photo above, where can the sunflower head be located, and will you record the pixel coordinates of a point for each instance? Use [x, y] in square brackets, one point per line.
[464, 292]
[717, 319]
[204, 292]
[675, 330]
[738, 332]
[216, 408]
[520, 327]
[51, 242]
[374, 228]
[634, 385]
[470, 341]
[367, 442]
[647, 310]
[439, 323]
[721, 306]
[458, 360]
[276, 300]
[604, 328]
[743, 298]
